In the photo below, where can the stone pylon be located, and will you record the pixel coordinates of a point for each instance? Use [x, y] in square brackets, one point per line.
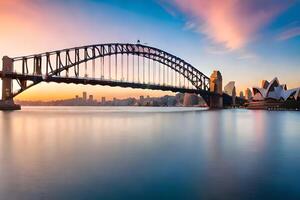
[7, 103]
[8, 67]
[216, 100]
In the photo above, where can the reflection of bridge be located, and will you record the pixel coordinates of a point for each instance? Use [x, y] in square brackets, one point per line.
[123, 65]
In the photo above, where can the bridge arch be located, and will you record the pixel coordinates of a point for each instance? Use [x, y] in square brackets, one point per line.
[49, 66]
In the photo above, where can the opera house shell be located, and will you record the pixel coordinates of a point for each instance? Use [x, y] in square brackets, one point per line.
[274, 95]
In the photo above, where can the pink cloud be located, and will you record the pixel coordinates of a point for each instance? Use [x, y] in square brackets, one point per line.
[37, 26]
[290, 33]
[232, 23]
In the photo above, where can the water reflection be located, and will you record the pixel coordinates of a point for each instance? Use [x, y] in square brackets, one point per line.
[139, 153]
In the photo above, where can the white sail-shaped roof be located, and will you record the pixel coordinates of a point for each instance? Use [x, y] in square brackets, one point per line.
[275, 91]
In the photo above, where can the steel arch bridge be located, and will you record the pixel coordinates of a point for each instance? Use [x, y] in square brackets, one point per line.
[113, 64]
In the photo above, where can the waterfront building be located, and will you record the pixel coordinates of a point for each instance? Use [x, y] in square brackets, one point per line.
[142, 100]
[190, 99]
[84, 95]
[275, 95]
[231, 91]
[248, 94]
[274, 90]
[242, 95]
[179, 98]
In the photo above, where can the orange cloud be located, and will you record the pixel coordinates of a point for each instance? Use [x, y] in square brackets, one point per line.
[232, 23]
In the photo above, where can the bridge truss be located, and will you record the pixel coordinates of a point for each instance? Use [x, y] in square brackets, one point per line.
[116, 64]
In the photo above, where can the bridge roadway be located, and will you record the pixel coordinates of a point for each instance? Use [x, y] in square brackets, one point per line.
[103, 82]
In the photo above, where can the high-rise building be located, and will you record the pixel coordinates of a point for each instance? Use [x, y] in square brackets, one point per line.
[248, 94]
[190, 99]
[230, 90]
[91, 98]
[242, 95]
[103, 99]
[84, 95]
[142, 99]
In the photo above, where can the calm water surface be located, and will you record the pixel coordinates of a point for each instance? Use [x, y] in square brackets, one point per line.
[148, 153]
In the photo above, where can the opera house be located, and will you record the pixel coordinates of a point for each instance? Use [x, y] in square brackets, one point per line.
[273, 95]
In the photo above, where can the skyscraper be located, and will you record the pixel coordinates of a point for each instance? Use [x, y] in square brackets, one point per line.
[248, 94]
[242, 95]
[230, 90]
[84, 95]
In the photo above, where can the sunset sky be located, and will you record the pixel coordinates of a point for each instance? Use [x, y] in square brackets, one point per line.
[247, 40]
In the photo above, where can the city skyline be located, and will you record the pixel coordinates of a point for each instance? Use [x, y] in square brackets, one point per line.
[85, 96]
[85, 99]
[267, 47]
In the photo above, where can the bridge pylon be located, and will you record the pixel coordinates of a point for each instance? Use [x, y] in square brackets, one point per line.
[7, 103]
[216, 99]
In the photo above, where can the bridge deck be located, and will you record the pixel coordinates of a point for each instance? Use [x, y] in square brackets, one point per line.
[103, 82]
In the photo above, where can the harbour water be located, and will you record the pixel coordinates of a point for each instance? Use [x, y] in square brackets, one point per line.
[148, 153]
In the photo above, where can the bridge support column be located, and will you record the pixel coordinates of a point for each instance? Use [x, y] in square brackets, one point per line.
[216, 100]
[7, 103]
